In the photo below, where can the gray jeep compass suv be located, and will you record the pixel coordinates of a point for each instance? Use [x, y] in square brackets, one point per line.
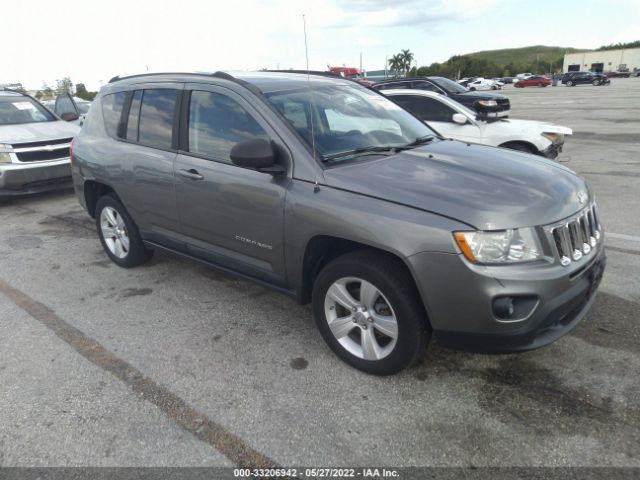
[330, 192]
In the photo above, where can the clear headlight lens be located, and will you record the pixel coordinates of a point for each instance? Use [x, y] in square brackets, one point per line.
[499, 247]
[487, 103]
[554, 137]
[4, 156]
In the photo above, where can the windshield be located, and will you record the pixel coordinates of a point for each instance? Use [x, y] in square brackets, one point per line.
[21, 109]
[348, 118]
[449, 85]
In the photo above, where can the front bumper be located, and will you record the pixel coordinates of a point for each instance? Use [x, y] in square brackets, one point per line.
[553, 150]
[459, 301]
[21, 179]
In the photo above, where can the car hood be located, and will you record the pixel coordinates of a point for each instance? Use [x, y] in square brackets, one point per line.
[485, 187]
[37, 132]
[528, 126]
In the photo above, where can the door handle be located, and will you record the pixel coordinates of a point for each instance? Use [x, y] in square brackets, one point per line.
[191, 174]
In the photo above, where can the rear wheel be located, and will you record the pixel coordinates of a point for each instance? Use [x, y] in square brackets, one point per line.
[369, 312]
[472, 89]
[119, 234]
[541, 84]
[569, 83]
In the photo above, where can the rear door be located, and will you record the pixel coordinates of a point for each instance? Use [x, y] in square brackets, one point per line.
[229, 215]
[150, 127]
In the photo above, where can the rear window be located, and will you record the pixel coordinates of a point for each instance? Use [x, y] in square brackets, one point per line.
[112, 110]
[156, 117]
[19, 109]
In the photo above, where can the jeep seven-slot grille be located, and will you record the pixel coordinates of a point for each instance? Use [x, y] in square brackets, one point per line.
[577, 237]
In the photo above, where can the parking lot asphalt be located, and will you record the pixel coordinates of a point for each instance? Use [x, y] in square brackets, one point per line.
[175, 364]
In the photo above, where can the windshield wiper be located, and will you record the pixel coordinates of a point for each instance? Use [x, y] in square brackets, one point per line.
[417, 141]
[355, 151]
[379, 148]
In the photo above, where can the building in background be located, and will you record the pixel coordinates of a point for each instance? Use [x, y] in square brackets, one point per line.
[623, 60]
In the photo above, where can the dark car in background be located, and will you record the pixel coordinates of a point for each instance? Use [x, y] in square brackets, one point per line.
[571, 79]
[617, 74]
[534, 81]
[487, 105]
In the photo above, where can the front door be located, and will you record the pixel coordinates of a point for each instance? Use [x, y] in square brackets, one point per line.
[229, 215]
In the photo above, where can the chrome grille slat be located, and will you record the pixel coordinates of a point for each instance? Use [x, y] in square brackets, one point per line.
[577, 237]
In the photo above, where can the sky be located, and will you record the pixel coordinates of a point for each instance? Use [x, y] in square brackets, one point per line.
[91, 41]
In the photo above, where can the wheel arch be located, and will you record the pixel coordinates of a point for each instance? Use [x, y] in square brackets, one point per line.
[322, 249]
[522, 143]
[93, 190]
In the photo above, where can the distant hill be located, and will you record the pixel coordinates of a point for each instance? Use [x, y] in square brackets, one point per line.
[503, 62]
[540, 53]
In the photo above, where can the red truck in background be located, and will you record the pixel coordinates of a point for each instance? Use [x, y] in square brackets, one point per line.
[352, 73]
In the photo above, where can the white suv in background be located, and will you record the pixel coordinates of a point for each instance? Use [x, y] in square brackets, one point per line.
[34, 146]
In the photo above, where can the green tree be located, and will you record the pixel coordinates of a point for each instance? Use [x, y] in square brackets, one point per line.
[82, 92]
[407, 58]
[38, 95]
[395, 64]
[64, 85]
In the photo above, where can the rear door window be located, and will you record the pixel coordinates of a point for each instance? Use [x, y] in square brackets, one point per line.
[134, 116]
[112, 111]
[156, 117]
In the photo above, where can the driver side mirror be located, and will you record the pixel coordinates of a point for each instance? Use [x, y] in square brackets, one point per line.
[256, 153]
[69, 117]
[459, 118]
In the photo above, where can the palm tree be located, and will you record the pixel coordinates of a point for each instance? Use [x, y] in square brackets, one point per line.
[407, 58]
[396, 64]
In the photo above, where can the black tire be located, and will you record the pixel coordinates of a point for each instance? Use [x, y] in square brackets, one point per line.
[521, 147]
[393, 281]
[137, 253]
[596, 83]
[569, 83]
[472, 89]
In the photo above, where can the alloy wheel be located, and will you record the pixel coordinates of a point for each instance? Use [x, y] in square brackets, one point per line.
[114, 232]
[361, 318]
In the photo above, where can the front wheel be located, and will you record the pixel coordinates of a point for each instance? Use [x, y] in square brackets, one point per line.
[569, 83]
[119, 234]
[369, 312]
[595, 83]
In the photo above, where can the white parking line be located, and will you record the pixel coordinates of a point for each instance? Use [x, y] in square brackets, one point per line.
[622, 236]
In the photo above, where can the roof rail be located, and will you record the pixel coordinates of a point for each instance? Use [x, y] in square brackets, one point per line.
[117, 78]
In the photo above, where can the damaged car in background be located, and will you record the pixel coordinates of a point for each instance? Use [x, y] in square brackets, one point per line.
[453, 120]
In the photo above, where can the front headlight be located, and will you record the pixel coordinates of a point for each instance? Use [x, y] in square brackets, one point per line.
[487, 103]
[554, 137]
[4, 155]
[501, 246]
